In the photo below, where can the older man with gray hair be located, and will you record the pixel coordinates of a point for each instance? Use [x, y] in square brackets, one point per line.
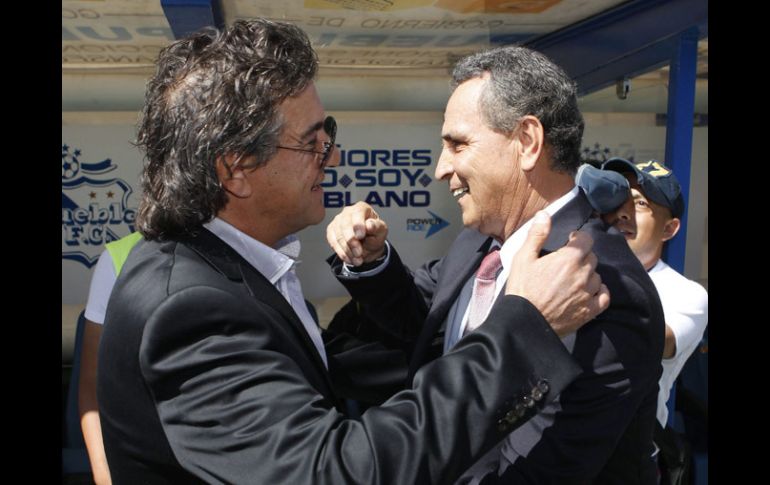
[511, 147]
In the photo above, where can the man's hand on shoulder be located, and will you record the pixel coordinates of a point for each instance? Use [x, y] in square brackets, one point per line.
[563, 285]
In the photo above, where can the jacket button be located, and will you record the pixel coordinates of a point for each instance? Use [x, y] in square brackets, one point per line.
[542, 384]
[519, 409]
[501, 426]
[536, 394]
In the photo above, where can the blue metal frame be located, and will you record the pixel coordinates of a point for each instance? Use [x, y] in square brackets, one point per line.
[188, 16]
[631, 39]
[679, 125]
[635, 37]
[628, 40]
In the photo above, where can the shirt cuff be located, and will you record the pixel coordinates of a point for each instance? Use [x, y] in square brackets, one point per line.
[368, 269]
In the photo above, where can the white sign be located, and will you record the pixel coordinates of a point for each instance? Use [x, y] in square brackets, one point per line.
[387, 159]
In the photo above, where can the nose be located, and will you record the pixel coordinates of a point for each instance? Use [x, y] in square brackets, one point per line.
[334, 157]
[444, 168]
[626, 211]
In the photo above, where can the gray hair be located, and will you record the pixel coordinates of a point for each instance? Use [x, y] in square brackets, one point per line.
[525, 82]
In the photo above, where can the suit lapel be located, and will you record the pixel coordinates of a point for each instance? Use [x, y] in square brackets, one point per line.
[231, 264]
[461, 261]
[463, 257]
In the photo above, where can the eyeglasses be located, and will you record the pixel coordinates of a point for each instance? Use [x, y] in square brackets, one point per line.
[330, 127]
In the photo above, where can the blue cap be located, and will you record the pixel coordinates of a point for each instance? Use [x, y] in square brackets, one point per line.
[656, 181]
[605, 190]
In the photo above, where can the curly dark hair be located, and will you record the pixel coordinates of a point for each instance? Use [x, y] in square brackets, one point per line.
[525, 82]
[214, 93]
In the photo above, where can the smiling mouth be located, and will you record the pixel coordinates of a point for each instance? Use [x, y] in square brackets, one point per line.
[457, 193]
[317, 186]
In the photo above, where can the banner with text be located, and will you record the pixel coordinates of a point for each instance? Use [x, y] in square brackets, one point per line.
[386, 159]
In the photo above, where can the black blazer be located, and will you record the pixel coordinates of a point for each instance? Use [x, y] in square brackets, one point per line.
[207, 375]
[599, 430]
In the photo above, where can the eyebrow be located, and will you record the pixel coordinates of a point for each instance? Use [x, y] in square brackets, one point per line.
[449, 136]
[317, 126]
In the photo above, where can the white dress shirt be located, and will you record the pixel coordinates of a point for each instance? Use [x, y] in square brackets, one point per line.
[457, 318]
[277, 265]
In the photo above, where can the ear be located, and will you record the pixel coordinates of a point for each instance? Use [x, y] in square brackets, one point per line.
[671, 228]
[232, 176]
[530, 135]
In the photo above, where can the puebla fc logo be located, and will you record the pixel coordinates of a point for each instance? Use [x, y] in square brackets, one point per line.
[94, 207]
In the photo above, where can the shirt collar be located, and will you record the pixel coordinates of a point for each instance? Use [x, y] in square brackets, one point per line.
[272, 263]
[514, 242]
[658, 266]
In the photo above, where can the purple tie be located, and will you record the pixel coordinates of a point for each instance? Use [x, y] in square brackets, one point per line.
[483, 289]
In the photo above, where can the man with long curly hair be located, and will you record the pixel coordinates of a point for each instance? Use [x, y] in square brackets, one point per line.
[211, 366]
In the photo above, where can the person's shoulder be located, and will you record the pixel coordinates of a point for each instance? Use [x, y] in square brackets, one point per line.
[670, 282]
[104, 271]
[635, 313]
[191, 267]
[159, 269]
[629, 283]
[182, 281]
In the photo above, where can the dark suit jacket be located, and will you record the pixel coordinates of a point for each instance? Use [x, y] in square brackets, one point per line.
[207, 375]
[600, 429]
